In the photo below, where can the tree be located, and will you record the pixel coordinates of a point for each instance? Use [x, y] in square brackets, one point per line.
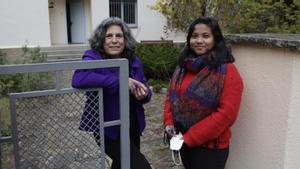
[276, 16]
[234, 16]
[180, 13]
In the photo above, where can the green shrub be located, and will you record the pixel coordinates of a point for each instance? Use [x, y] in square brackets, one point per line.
[20, 82]
[159, 60]
[158, 84]
[5, 124]
[3, 59]
[33, 55]
[27, 81]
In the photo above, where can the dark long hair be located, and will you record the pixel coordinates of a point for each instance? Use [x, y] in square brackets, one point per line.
[219, 54]
[98, 37]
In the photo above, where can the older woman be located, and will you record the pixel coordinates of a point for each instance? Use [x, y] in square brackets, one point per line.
[112, 39]
[204, 97]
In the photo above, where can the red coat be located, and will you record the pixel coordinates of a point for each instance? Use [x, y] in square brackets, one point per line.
[217, 124]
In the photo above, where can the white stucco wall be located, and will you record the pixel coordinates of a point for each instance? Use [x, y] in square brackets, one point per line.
[28, 23]
[99, 11]
[263, 135]
[24, 23]
[151, 24]
[88, 19]
[292, 155]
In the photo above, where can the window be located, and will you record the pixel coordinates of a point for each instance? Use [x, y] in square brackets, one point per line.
[124, 9]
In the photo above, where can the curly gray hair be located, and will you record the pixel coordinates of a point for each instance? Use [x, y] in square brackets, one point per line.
[98, 37]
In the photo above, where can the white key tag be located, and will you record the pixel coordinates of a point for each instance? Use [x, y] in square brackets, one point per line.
[175, 145]
[176, 142]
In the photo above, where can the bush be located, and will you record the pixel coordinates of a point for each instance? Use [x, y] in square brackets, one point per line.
[158, 84]
[20, 82]
[159, 60]
[25, 82]
[5, 125]
[3, 59]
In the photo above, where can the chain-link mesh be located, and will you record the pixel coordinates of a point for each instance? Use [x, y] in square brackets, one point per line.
[49, 136]
[7, 156]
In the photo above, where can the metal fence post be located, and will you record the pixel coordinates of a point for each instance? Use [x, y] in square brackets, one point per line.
[124, 114]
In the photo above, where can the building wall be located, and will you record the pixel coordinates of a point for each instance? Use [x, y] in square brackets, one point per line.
[99, 11]
[88, 20]
[151, 24]
[293, 134]
[264, 133]
[28, 22]
[24, 23]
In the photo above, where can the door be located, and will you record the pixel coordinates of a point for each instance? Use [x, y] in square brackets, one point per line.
[76, 21]
[57, 21]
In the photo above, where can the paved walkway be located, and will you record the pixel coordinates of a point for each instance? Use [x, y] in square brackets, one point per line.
[152, 146]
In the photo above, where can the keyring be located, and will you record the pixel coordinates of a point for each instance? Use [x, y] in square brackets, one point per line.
[179, 157]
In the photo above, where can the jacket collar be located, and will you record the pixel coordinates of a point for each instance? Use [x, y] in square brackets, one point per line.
[135, 63]
[96, 55]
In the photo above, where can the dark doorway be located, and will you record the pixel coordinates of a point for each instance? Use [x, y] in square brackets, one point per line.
[75, 21]
[69, 23]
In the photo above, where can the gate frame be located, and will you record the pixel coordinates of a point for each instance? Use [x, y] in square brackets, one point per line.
[57, 68]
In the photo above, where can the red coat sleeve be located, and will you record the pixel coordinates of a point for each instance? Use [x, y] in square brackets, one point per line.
[167, 111]
[215, 124]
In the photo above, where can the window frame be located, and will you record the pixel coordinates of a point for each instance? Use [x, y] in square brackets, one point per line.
[122, 4]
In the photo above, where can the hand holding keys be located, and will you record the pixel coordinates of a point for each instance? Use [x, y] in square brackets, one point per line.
[138, 89]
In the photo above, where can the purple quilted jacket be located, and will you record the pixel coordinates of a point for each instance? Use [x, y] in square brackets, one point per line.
[108, 79]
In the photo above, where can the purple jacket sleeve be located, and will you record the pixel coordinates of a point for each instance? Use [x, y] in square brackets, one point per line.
[93, 78]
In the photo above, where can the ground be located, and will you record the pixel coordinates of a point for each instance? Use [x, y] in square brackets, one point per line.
[152, 146]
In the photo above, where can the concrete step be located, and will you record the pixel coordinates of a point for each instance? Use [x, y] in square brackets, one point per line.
[66, 47]
[53, 52]
[63, 60]
[65, 56]
[64, 52]
[67, 51]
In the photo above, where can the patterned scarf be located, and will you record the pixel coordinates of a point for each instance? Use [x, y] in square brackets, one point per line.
[201, 97]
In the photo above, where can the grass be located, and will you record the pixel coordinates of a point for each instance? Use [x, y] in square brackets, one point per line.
[6, 153]
[5, 122]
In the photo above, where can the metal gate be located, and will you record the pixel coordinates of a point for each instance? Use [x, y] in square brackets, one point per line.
[45, 123]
